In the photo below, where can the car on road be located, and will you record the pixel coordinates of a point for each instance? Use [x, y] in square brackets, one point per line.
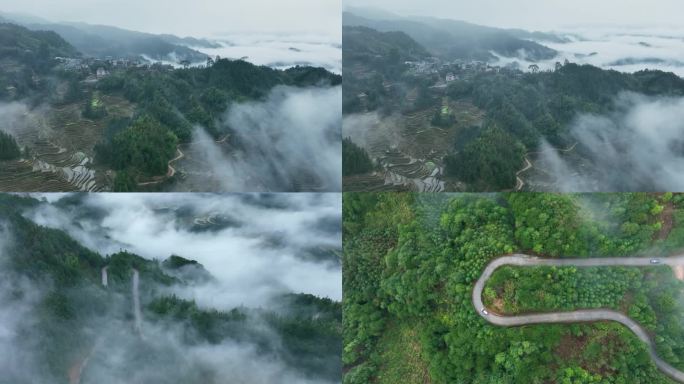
[655, 261]
[484, 311]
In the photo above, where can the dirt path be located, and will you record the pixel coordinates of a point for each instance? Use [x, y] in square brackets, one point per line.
[76, 370]
[223, 140]
[519, 183]
[171, 170]
[667, 217]
[579, 315]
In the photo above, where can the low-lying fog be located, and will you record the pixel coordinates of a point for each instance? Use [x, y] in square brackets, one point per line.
[288, 142]
[280, 51]
[257, 247]
[265, 245]
[639, 147]
[622, 49]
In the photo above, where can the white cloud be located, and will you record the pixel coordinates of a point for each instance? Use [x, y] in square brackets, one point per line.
[637, 148]
[249, 266]
[537, 14]
[195, 18]
[290, 141]
[281, 50]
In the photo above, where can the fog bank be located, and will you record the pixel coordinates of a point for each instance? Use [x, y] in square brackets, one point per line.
[639, 147]
[288, 142]
[280, 50]
[259, 246]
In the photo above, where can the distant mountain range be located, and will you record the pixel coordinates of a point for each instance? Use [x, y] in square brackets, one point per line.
[364, 41]
[102, 41]
[453, 39]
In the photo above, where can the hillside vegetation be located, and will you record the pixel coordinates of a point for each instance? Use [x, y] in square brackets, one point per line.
[530, 108]
[411, 260]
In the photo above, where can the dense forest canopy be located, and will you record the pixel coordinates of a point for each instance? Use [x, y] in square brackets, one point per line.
[24, 54]
[181, 99]
[9, 149]
[357, 159]
[410, 262]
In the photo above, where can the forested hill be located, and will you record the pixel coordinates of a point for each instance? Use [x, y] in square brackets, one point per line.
[172, 102]
[534, 107]
[24, 54]
[102, 41]
[452, 39]
[521, 109]
[35, 49]
[411, 261]
[365, 43]
[165, 103]
[60, 288]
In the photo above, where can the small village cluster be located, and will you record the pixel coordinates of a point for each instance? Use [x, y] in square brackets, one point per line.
[100, 68]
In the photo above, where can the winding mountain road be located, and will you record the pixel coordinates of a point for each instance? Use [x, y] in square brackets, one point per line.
[579, 315]
[519, 183]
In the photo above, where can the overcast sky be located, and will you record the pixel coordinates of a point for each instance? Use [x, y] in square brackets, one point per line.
[539, 14]
[192, 17]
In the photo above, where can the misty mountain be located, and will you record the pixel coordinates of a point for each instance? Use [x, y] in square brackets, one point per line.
[20, 43]
[24, 53]
[452, 39]
[364, 43]
[101, 41]
[117, 318]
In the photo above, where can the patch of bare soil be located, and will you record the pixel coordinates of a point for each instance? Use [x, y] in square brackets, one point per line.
[667, 218]
[679, 272]
[570, 346]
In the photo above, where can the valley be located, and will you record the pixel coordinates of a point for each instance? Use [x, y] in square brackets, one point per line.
[496, 110]
[123, 121]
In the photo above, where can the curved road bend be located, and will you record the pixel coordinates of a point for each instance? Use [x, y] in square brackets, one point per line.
[580, 315]
[519, 183]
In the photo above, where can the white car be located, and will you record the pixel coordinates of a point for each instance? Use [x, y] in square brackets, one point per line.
[655, 261]
[484, 311]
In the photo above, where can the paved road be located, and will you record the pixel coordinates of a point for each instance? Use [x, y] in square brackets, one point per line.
[580, 315]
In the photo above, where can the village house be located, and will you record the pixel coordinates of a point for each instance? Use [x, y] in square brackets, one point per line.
[101, 72]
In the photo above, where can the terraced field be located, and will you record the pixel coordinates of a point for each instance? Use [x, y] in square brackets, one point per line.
[410, 150]
[61, 145]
